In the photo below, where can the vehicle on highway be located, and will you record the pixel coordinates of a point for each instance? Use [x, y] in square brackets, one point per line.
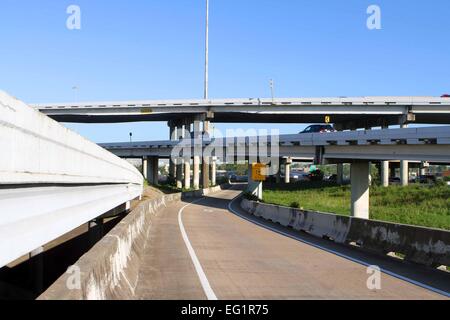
[445, 96]
[237, 178]
[319, 128]
[316, 175]
[426, 179]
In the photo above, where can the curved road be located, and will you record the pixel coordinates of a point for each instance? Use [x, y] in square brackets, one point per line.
[211, 249]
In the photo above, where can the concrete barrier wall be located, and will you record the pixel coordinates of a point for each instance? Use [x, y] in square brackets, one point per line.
[38, 150]
[430, 247]
[110, 269]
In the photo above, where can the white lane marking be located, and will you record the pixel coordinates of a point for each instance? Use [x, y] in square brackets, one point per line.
[198, 267]
[393, 274]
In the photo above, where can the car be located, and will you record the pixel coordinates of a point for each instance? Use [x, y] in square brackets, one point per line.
[319, 128]
[333, 178]
[427, 179]
[445, 96]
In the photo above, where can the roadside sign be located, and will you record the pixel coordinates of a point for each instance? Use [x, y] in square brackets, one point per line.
[327, 119]
[259, 171]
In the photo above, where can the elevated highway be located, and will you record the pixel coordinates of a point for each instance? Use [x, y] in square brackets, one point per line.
[415, 144]
[52, 180]
[348, 112]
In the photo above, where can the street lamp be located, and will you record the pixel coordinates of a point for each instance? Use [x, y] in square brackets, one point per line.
[206, 93]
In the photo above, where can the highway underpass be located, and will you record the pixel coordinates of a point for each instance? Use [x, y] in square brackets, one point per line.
[210, 249]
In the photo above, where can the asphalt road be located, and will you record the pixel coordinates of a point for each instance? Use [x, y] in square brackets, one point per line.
[211, 249]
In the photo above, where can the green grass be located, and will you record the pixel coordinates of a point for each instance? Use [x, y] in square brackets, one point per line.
[413, 205]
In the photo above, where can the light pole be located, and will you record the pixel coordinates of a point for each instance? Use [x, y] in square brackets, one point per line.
[206, 93]
[75, 89]
[272, 90]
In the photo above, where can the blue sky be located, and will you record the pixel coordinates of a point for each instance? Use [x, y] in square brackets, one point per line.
[153, 49]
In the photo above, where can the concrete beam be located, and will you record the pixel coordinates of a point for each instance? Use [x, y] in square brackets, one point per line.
[360, 181]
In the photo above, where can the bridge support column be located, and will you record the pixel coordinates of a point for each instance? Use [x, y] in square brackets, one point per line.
[287, 170]
[187, 173]
[385, 167]
[152, 170]
[385, 173]
[213, 171]
[205, 173]
[180, 160]
[360, 181]
[197, 153]
[254, 187]
[172, 165]
[206, 163]
[144, 167]
[37, 269]
[404, 167]
[340, 174]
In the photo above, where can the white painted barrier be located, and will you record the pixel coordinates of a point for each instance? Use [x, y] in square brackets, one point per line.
[52, 180]
[37, 150]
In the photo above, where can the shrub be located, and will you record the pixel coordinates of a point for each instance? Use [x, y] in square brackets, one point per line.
[295, 205]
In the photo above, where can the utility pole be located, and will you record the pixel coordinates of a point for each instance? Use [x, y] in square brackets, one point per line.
[206, 93]
[272, 90]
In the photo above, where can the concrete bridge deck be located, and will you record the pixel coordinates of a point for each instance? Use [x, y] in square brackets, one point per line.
[230, 257]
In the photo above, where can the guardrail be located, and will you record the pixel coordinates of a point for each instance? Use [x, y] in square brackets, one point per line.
[52, 180]
[430, 247]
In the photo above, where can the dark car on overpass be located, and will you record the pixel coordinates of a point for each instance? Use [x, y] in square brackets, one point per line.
[319, 128]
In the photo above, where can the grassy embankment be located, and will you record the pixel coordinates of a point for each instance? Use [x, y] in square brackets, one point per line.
[414, 205]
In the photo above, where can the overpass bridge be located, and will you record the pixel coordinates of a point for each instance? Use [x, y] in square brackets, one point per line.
[52, 180]
[345, 112]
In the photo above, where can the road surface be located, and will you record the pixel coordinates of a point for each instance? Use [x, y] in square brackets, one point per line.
[208, 249]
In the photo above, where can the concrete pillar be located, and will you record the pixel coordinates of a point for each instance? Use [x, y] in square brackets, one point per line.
[196, 178]
[404, 167]
[385, 167]
[385, 173]
[254, 187]
[213, 171]
[340, 174]
[205, 174]
[144, 167]
[197, 153]
[187, 174]
[180, 161]
[360, 181]
[153, 170]
[287, 171]
[173, 136]
[37, 269]
[206, 162]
